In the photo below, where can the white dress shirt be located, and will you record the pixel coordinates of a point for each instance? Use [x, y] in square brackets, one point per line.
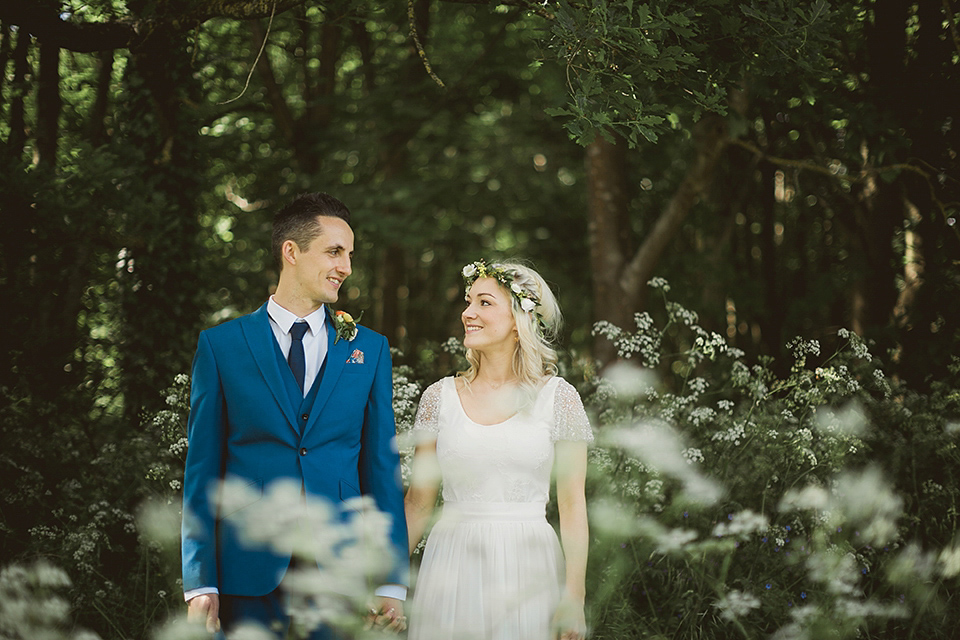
[314, 340]
[314, 352]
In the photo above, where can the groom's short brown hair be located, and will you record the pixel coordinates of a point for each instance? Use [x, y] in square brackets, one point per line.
[297, 221]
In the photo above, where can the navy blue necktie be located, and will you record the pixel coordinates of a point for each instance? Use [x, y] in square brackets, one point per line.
[295, 358]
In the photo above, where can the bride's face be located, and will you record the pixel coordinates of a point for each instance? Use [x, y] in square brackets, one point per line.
[488, 322]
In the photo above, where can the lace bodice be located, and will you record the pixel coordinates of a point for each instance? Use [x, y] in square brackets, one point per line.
[505, 462]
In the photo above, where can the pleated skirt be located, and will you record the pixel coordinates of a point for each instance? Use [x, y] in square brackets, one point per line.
[490, 571]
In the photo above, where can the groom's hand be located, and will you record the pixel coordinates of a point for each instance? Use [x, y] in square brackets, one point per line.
[205, 608]
[387, 614]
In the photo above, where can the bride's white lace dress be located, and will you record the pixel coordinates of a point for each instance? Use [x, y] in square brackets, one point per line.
[493, 568]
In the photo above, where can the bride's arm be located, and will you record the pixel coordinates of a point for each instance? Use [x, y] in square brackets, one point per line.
[422, 495]
[574, 531]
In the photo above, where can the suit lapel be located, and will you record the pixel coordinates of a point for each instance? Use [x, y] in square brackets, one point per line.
[259, 335]
[332, 368]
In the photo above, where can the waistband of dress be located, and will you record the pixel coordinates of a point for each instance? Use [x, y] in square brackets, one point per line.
[493, 511]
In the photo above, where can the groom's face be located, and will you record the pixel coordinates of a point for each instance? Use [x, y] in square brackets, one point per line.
[322, 268]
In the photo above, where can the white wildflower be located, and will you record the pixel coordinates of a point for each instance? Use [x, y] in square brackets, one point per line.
[835, 570]
[660, 447]
[734, 434]
[810, 497]
[629, 380]
[698, 385]
[611, 517]
[702, 415]
[742, 524]
[950, 561]
[849, 420]
[737, 604]
[659, 283]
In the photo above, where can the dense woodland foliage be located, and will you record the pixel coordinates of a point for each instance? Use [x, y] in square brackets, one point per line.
[789, 167]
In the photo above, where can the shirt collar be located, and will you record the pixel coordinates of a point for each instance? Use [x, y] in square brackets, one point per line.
[285, 318]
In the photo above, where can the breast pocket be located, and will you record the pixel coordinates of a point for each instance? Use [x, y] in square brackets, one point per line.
[355, 369]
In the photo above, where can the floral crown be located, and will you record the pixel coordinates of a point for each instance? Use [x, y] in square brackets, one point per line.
[528, 300]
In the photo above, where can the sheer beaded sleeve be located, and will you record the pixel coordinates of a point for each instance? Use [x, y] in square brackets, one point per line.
[569, 418]
[427, 422]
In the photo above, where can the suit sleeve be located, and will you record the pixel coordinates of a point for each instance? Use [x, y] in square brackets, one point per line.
[206, 434]
[380, 461]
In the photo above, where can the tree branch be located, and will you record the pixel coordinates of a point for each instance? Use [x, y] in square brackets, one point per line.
[809, 166]
[128, 31]
[711, 134]
[537, 7]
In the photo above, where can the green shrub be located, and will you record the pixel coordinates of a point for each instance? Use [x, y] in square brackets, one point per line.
[729, 501]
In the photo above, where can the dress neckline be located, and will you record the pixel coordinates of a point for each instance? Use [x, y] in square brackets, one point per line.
[463, 412]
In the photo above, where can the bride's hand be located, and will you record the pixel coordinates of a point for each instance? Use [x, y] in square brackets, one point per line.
[569, 622]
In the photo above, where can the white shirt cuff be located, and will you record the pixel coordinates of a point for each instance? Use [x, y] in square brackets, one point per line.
[395, 591]
[199, 591]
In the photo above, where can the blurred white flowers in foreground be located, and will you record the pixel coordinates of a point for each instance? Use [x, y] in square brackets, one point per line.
[863, 499]
[736, 604]
[342, 555]
[31, 607]
[660, 447]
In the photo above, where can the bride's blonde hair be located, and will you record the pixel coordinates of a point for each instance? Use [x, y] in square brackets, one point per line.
[534, 357]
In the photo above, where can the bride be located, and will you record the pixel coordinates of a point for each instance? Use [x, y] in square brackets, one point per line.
[493, 568]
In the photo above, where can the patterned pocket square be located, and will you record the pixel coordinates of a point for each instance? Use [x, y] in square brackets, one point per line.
[356, 357]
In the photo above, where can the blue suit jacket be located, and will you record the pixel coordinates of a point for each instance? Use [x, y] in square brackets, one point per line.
[243, 424]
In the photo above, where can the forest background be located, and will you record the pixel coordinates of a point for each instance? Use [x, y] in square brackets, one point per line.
[789, 168]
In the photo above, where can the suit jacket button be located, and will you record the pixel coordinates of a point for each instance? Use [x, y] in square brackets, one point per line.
[304, 417]
[303, 451]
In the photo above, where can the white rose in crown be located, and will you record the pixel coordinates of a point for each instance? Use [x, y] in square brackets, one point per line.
[469, 271]
[527, 304]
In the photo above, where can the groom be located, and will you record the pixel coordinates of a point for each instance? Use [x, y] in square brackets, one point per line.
[277, 394]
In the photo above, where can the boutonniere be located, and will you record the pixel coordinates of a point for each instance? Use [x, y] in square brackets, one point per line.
[345, 326]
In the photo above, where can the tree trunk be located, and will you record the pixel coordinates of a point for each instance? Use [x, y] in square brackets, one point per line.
[5, 51]
[279, 107]
[771, 323]
[331, 35]
[392, 272]
[18, 89]
[619, 286]
[48, 105]
[877, 213]
[928, 116]
[608, 226]
[710, 136]
[97, 127]
[160, 309]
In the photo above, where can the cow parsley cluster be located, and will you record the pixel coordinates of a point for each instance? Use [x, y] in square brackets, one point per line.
[734, 434]
[702, 415]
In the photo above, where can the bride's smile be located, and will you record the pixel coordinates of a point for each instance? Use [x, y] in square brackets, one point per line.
[488, 321]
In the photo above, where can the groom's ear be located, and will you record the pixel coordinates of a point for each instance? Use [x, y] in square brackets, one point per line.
[289, 251]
